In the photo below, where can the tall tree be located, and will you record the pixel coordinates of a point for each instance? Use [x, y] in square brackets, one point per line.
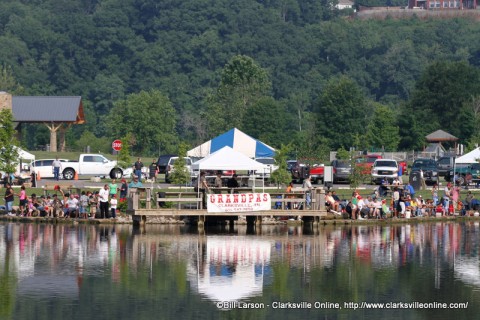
[440, 99]
[383, 131]
[268, 121]
[149, 117]
[8, 82]
[181, 175]
[282, 175]
[342, 112]
[242, 84]
[8, 142]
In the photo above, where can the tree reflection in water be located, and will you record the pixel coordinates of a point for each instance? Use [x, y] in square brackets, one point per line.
[88, 271]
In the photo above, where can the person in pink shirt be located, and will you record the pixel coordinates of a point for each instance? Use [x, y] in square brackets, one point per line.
[22, 196]
[455, 195]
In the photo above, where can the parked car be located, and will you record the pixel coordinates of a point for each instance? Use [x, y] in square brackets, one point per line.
[162, 162]
[365, 162]
[445, 165]
[269, 163]
[44, 167]
[404, 166]
[291, 164]
[91, 165]
[128, 173]
[171, 167]
[317, 173]
[342, 169]
[466, 173]
[299, 171]
[429, 168]
[384, 168]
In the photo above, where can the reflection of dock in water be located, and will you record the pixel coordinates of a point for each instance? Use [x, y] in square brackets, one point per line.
[215, 263]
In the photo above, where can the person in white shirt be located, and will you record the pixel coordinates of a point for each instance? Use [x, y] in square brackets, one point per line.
[422, 181]
[56, 167]
[71, 206]
[113, 206]
[360, 205]
[103, 199]
[307, 186]
[377, 207]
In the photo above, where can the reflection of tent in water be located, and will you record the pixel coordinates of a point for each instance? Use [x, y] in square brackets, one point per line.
[468, 270]
[232, 268]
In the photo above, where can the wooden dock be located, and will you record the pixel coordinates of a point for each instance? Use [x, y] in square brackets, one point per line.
[139, 216]
[152, 206]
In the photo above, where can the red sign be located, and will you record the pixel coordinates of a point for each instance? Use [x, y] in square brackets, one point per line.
[117, 145]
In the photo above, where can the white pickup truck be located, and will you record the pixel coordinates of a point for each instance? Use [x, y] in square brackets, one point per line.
[92, 165]
[384, 169]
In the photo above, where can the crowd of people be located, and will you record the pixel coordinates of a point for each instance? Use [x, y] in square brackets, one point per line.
[100, 204]
[403, 203]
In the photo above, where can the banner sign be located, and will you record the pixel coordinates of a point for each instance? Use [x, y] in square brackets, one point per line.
[238, 202]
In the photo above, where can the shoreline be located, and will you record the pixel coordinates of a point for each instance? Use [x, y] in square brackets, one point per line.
[324, 221]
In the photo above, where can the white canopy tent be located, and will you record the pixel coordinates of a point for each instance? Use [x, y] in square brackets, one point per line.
[228, 159]
[24, 155]
[471, 157]
[24, 160]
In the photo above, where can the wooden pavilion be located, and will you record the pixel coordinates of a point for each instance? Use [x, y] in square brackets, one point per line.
[440, 136]
[58, 113]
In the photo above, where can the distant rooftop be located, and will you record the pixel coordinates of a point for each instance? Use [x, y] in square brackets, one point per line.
[48, 109]
[440, 135]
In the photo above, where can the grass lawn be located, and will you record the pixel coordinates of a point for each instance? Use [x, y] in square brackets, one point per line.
[64, 155]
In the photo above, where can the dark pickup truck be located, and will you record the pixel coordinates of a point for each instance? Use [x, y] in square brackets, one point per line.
[466, 173]
[429, 168]
[445, 165]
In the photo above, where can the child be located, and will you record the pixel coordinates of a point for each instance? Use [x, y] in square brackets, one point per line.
[48, 206]
[113, 206]
[23, 200]
[385, 209]
[83, 205]
[439, 209]
[93, 202]
[30, 208]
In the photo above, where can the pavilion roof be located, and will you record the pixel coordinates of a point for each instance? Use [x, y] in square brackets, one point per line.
[440, 135]
[48, 109]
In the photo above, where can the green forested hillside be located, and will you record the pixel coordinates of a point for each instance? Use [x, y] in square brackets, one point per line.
[281, 70]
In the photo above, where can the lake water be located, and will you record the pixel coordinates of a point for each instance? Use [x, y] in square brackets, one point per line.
[273, 272]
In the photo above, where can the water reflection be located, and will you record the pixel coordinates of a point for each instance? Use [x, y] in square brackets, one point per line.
[84, 264]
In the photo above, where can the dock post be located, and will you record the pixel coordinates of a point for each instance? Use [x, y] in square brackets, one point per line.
[139, 220]
[201, 221]
[320, 199]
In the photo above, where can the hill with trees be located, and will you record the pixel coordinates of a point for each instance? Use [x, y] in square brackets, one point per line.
[300, 72]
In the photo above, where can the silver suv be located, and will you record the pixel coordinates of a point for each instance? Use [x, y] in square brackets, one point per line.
[171, 167]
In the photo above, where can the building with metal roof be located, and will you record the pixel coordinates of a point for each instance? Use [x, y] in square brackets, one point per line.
[58, 113]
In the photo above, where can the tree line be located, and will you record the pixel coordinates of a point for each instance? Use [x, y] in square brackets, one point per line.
[286, 72]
